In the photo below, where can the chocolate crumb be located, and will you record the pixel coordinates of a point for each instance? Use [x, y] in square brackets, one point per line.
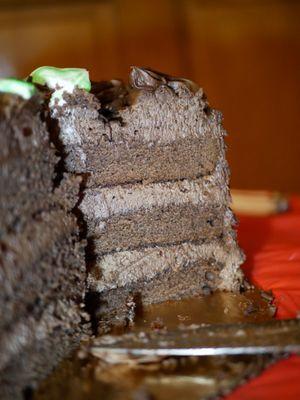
[206, 290]
[209, 276]
[251, 308]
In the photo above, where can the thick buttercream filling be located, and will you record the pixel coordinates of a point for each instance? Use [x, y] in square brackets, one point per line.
[130, 266]
[102, 203]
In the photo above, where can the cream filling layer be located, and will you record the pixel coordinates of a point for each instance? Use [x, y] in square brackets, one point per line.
[128, 267]
[101, 204]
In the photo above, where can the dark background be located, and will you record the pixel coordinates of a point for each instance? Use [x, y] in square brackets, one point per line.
[245, 54]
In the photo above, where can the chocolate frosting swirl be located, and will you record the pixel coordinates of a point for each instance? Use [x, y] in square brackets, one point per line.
[148, 79]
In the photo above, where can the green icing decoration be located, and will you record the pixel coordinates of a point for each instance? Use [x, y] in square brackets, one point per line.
[64, 78]
[18, 87]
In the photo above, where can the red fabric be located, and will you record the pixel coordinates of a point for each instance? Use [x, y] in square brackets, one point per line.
[272, 246]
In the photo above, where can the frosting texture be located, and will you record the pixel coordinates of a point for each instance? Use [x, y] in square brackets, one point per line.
[61, 80]
[17, 86]
[148, 79]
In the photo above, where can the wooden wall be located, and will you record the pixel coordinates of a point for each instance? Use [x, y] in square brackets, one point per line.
[246, 55]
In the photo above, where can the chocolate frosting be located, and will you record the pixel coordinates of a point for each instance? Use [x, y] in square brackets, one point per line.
[111, 94]
[148, 79]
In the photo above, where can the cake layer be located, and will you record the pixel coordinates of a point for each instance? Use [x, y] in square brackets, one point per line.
[135, 162]
[132, 267]
[158, 226]
[163, 134]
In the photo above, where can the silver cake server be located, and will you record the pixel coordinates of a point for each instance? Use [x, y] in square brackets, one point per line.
[276, 336]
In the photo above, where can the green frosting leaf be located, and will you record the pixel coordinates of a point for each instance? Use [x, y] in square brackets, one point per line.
[16, 86]
[62, 78]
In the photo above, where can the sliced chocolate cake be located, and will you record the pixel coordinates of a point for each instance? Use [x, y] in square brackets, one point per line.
[42, 269]
[155, 201]
[139, 171]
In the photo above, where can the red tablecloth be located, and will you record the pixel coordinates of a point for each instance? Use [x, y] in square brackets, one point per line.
[272, 246]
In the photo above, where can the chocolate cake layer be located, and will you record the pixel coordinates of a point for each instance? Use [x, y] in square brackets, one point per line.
[158, 226]
[163, 134]
[136, 215]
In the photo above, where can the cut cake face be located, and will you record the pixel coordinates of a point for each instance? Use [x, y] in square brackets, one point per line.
[156, 202]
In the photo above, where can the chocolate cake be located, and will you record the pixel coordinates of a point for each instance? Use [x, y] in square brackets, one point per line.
[155, 201]
[127, 182]
[42, 270]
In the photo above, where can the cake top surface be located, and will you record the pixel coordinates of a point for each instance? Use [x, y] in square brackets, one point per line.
[117, 94]
[112, 92]
[144, 109]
